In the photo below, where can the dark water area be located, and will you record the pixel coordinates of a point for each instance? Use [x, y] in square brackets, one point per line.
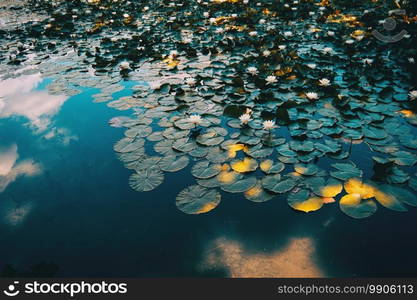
[79, 217]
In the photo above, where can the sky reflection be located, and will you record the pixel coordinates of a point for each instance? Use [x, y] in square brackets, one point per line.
[295, 259]
[20, 97]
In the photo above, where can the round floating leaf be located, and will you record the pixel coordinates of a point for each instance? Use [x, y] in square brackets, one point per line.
[173, 163]
[345, 171]
[258, 194]
[209, 139]
[355, 186]
[164, 147]
[307, 170]
[240, 185]
[412, 183]
[404, 158]
[259, 151]
[288, 160]
[216, 155]
[146, 180]
[228, 177]
[374, 133]
[209, 183]
[138, 131]
[328, 189]
[196, 199]
[199, 152]
[388, 199]
[205, 169]
[246, 165]
[275, 184]
[128, 145]
[184, 145]
[353, 206]
[302, 201]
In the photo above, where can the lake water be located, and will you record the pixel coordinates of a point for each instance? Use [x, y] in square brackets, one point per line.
[67, 209]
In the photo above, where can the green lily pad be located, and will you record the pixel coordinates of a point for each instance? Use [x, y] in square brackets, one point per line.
[302, 201]
[345, 171]
[205, 170]
[146, 180]
[353, 206]
[258, 194]
[307, 170]
[196, 199]
[239, 186]
[173, 163]
[276, 184]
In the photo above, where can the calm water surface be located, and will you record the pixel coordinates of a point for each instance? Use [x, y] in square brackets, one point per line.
[66, 209]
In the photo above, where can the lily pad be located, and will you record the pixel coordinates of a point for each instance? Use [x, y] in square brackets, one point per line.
[146, 180]
[246, 165]
[258, 194]
[276, 184]
[173, 163]
[205, 170]
[240, 186]
[196, 199]
[307, 170]
[353, 206]
[302, 201]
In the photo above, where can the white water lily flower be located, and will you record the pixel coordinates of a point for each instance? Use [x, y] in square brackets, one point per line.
[349, 41]
[330, 33]
[288, 33]
[286, 5]
[312, 66]
[253, 33]
[244, 119]
[219, 30]
[190, 81]
[324, 82]
[212, 20]
[266, 53]
[187, 40]
[411, 60]
[269, 124]
[327, 50]
[282, 47]
[311, 13]
[245, 1]
[413, 95]
[124, 65]
[252, 70]
[173, 53]
[195, 119]
[368, 61]
[312, 96]
[262, 21]
[125, 16]
[271, 79]
[293, 8]
[206, 14]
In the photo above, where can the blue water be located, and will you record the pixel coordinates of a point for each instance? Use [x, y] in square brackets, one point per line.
[79, 217]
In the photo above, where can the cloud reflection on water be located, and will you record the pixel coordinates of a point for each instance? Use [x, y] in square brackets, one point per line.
[295, 259]
[19, 97]
[10, 170]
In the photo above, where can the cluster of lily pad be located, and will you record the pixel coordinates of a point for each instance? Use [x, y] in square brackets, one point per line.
[227, 119]
[256, 97]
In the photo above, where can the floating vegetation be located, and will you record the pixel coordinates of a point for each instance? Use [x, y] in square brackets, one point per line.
[263, 99]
